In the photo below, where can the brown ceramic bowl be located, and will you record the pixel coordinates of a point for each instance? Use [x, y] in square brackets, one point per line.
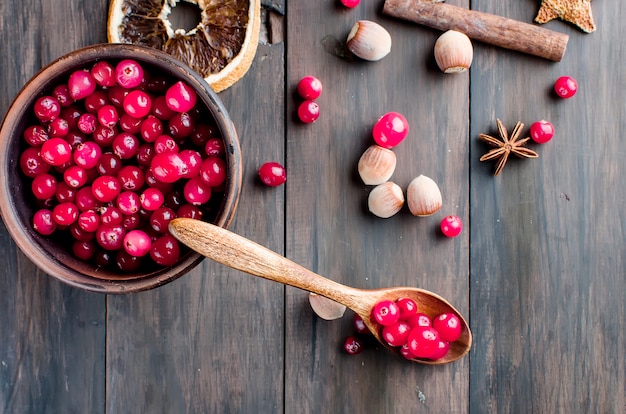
[17, 205]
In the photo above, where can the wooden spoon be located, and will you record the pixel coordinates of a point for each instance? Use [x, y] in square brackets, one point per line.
[239, 253]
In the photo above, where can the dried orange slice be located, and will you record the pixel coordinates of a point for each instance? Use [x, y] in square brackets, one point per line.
[220, 48]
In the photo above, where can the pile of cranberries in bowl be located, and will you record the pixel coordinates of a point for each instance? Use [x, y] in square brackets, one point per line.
[104, 155]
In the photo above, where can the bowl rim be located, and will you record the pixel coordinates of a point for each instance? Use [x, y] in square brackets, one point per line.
[47, 77]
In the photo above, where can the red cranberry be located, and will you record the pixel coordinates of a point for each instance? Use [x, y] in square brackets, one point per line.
[309, 87]
[396, 334]
[43, 222]
[95, 102]
[137, 243]
[32, 164]
[81, 84]
[353, 345]
[137, 104]
[110, 237]
[65, 214]
[108, 116]
[151, 199]
[62, 94]
[44, 186]
[131, 177]
[47, 108]
[448, 325]
[87, 154]
[423, 342]
[129, 73]
[196, 191]
[160, 219]
[272, 174]
[566, 87]
[130, 124]
[35, 135]
[308, 111]
[151, 128]
[386, 312]
[390, 129]
[84, 250]
[58, 127]
[180, 97]
[56, 151]
[541, 131]
[103, 73]
[165, 250]
[181, 125]
[106, 188]
[213, 171]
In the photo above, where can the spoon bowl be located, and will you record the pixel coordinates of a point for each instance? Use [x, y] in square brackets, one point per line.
[239, 253]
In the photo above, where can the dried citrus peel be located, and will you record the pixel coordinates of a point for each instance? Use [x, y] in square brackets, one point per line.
[221, 47]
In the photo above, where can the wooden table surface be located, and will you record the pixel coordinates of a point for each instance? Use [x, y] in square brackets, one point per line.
[539, 270]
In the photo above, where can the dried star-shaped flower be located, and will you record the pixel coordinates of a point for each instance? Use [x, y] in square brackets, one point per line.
[506, 146]
[577, 12]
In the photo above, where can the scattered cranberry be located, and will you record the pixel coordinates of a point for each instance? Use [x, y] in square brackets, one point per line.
[310, 87]
[353, 345]
[566, 87]
[451, 226]
[308, 111]
[541, 131]
[272, 174]
[359, 325]
[390, 129]
[350, 3]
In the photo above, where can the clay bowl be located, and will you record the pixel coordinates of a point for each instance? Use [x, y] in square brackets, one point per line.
[17, 204]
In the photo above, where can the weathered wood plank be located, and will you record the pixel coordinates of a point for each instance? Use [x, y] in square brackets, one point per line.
[329, 229]
[212, 341]
[547, 236]
[53, 336]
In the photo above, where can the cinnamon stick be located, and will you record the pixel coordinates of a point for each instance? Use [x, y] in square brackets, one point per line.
[484, 27]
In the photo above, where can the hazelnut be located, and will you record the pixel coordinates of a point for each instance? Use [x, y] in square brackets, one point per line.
[369, 40]
[385, 200]
[423, 196]
[453, 52]
[376, 165]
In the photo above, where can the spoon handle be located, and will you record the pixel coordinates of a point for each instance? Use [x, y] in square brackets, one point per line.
[237, 252]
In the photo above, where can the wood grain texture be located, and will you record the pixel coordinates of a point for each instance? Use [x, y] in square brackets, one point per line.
[539, 267]
[52, 346]
[213, 340]
[328, 227]
[547, 235]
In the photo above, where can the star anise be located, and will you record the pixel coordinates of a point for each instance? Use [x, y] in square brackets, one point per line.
[505, 146]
